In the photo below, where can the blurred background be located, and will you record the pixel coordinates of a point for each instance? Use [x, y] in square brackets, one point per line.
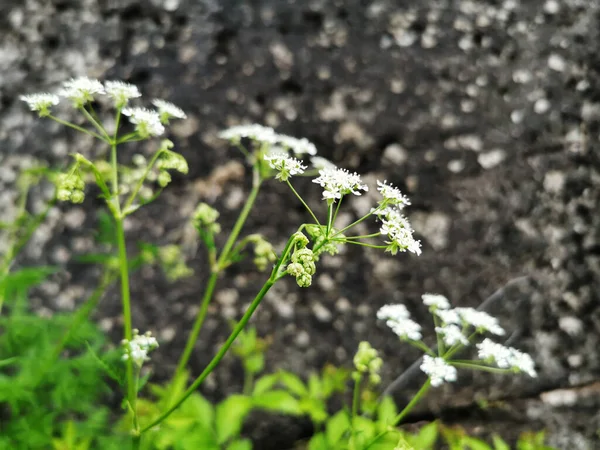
[485, 113]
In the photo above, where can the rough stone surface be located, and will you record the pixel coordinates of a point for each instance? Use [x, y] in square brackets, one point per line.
[484, 112]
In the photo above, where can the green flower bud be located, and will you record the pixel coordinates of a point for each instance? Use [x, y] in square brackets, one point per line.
[164, 178]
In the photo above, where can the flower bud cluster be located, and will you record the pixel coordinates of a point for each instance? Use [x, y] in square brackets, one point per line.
[264, 253]
[169, 160]
[303, 266]
[70, 186]
[367, 361]
[138, 348]
[173, 263]
[206, 217]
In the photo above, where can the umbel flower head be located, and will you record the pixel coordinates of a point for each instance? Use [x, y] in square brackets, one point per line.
[41, 102]
[285, 166]
[398, 231]
[438, 370]
[81, 90]
[506, 357]
[339, 182]
[138, 348]
[167, 110]
[121, 92]
[147, 122]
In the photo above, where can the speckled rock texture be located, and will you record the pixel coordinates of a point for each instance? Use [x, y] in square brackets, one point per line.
[486, 113]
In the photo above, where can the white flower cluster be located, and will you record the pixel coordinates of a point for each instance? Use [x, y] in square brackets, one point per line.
[398, 230]
[286, 166]
[392, 195]
[398, 319]
[435, 301]
[480, 320]
[266, 135]
[320, 163]
[147, 122]
[83, 90]
[138, 348]
[506, 357]
[452, 335]
[339, 182]
[438, 370]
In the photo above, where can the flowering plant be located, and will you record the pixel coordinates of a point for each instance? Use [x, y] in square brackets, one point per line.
[271, 156]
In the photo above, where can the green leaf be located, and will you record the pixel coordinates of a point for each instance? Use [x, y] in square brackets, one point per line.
[426, 437]
[387, 411]
[293, 383]
[336, 427]
[109, 370]
[314, 386]
[254, 363]
[8, 361]
[315, 408]
[318, 442]
[265, 383]
[230, 416]
[499, 443]
[278, 401]
[475, 444]
[242, 444]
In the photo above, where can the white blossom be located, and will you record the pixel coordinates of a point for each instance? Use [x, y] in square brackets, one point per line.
[285, 165]
[138, 348]
[399, 232]
[147, 122]
[339, 182]
[452, 335]
[396, 312]
[255, 132]
[322, 163]
[392, 195]
[168, 110]
[81, 90]
[438, 370]
[406, 329]
[448, 316]
[121, 92]
[506, 357]
[435, 301]
[480, 320]
[41, 102]
[299, 146]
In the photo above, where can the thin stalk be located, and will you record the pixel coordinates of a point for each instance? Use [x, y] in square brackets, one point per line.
[329, 220]
[210, 287]
[364, 244]
[337, 209]
[218, 357]
[140, 182]
[77, 127]
[248, 382]
[364, 236]
[304, 203]
[470, 365]
[418, 396]
[94, 122]
[355, 402]
[440, 341]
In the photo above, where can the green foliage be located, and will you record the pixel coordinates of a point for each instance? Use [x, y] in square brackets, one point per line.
[51, 382]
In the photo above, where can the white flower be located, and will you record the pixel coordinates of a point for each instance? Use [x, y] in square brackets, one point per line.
[298, 146]
[255, 132]
[121, 92]
[396, 312]
[452, 335]
[40, 102]
[406, 329]
[138, 348]
[285, 165]
[392, 195]
[506, 357]
[339, 182]
[147, 122]
[438, 370]
[168, 110]
[322, 163]
[435, 301]
[448, 316]
[81, 90]
[480, 320]
[399, 232]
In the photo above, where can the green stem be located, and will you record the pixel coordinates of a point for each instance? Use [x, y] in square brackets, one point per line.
[248, 382]
[418, 396]
[218, 357]
[364, 236]
[303, 202]
[77, 127]
[94, 122]
[364, 244]
[210, 287]
[355, 402]
[440, 341]
[472, 366]
[140, 182]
